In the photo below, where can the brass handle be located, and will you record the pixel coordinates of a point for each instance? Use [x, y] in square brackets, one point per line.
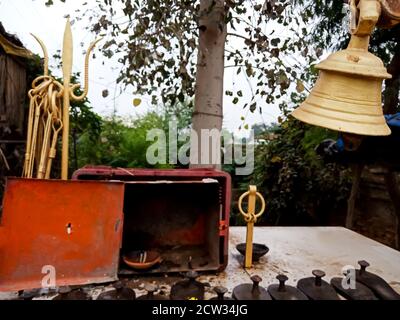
[248, 216]
[365, 16]
[353, 16]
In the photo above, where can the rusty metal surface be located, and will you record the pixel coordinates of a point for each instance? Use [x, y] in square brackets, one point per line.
[179, 221]
[73, 226]
[183, 214]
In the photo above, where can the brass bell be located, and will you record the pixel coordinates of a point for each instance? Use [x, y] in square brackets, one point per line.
[347, 96]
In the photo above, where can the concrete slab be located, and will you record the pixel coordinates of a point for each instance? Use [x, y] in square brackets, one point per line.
[296, 251]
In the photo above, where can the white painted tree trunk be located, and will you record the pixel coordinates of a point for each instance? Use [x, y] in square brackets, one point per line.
[208, 111]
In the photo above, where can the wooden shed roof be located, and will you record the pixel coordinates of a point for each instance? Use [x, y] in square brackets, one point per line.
[12, 45]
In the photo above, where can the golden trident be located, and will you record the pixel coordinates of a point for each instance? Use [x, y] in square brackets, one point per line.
[251, 218]
[49, 112]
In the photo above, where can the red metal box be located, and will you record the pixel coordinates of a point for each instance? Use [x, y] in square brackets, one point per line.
[183, 214]
[55, 233]
[78, 230]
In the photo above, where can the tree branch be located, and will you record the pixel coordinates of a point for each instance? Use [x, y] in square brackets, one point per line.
[238, 36]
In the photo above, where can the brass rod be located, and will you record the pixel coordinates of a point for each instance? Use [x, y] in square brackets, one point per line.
[67, 70]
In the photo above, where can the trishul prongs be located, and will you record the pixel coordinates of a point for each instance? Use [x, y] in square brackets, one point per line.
[49, 111]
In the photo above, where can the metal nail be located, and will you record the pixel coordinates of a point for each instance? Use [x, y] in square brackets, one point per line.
[364, 265]
[220, 291]
[319, 274]
[256, 280]
[282, 279]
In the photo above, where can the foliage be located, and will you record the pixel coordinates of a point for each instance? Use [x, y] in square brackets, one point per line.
[118, 145]
[83, 121]
[298, 186]
[112, 141]
[122, 143]
[34, 68]
[156, 43]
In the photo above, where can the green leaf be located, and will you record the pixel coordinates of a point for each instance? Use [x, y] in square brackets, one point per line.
[275, 41]
[235, 100]
[249, 70]
[299, 86]
[276, 159]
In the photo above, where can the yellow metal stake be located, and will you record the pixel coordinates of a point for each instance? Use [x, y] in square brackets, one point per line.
[251, 218]
[67, 70]
[69, 91]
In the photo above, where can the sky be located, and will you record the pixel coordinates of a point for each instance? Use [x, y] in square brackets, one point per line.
[22, 17]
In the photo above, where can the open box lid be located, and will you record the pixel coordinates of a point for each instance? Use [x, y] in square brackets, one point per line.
[206, 180]
[69, 229]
